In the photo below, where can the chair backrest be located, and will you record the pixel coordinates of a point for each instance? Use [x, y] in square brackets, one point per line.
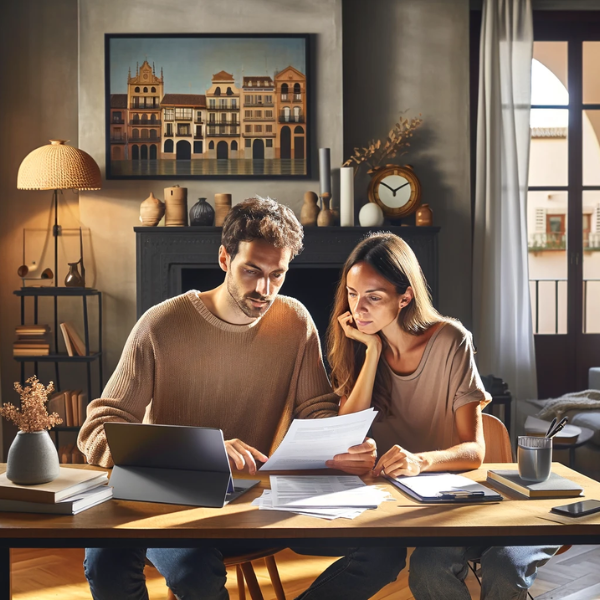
[497, 441]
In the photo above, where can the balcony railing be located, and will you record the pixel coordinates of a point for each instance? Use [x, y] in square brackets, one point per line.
[114, 121]
[550, 297]
[184, 134]
[297, 98]
[168, 134]
[118, 139]
[198, 136]
[224, 108]
[540, 242]
[198, 121]
[259, 119]
[144, 106]
[259, 104]
[291, 118]
[144, 123]
[264, 134]
[148, 140]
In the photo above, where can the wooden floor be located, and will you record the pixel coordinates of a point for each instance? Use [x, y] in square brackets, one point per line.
[58, 574]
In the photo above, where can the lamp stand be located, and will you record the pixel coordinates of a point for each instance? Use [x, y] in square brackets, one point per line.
[56, 231]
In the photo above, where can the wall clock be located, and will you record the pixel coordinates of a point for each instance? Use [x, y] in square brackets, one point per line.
[397, 190]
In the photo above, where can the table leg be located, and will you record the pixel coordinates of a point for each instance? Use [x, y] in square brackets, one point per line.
[5, 587]
[571, 458]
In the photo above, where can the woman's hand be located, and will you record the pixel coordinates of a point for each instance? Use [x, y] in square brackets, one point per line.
[398, 461]
[368, 339]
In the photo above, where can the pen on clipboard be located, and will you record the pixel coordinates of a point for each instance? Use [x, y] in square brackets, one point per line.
[452, 494]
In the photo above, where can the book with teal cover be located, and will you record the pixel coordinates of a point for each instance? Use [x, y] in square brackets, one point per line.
[554, 487]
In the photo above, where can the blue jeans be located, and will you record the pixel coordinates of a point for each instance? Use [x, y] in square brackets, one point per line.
[507, 572]
[199, 573]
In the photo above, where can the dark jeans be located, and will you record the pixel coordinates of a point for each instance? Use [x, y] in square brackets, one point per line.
[199, 573]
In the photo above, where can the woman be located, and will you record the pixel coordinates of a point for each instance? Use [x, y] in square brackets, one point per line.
[389, 348]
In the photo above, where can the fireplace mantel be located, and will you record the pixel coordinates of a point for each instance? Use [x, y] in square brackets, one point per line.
[164, 252]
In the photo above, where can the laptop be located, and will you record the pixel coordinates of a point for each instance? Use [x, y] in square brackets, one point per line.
[172, 464]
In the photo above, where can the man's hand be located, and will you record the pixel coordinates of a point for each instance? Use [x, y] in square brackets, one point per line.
[398, 461]
[359, 460]
[242, 455]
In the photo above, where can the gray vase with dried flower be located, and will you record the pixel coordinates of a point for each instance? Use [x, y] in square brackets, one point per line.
[32, 457]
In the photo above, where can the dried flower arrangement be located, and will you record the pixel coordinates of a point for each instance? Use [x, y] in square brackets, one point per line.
[377, 152]
[32, 416]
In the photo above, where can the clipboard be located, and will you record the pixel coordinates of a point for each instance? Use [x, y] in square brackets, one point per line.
[172, 464]
[445, 488]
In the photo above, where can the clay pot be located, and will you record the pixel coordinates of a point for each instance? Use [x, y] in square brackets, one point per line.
[176, 214]
[326, 217]
[222, 207]
[202, 213]
[151, 211]
[310, 210]
[424, 216]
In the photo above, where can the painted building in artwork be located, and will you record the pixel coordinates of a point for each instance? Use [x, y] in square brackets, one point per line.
[183, 122]
[290, 101]
[118, 127]
[144, 93]
[258, 118]
[222, 129]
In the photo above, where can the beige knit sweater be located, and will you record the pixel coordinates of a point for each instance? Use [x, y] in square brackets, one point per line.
[181, 365]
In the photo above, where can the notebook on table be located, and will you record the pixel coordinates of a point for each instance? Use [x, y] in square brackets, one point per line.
[172, 464]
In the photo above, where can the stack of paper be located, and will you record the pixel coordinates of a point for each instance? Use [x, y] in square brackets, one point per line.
[321, 496]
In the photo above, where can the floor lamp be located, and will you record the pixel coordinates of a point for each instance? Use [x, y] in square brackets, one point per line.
[57, 166]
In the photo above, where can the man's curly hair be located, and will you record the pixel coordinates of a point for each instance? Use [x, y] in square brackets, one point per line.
[262, 219]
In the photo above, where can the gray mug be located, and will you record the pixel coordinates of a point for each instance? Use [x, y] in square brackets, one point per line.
[534, 457]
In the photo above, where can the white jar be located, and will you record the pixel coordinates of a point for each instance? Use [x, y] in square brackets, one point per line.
[370, 215]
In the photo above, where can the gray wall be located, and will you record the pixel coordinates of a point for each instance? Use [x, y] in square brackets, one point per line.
[413, 55]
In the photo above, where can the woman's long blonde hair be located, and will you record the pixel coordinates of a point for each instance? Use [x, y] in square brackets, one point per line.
[393, 259]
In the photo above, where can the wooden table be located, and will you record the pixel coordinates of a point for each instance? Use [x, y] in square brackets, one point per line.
[515, 521]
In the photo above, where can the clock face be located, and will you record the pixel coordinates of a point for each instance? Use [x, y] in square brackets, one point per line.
[394, 191]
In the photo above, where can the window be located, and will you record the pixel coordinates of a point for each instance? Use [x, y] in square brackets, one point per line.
[268, 99]
[217, 91]
[153, 90]
[169, 114]
[116, 117]
[153, 134]
[234, 118]
[250, 83]
[269, 143]
[144, 134]
[212, 103]
[145, 90]
[135, 134]
[222, 129]
[198, 148]
[269, 128]
[169, 131]
[223, 118]
[211, 118]
[269, 114]
[144, 118]
[136, 118]
[258, 128]
[234, 145]
[258, 114]
[248, 128]
[168, 146]
[234, 103]
[248, 99]
[183, 114]
[183, 130]
[198, 116]
[137, 90]
[248, 143]
[211, 145]
[248, 114]
[229, 92]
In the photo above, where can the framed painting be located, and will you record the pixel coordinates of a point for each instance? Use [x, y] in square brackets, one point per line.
[208, 106]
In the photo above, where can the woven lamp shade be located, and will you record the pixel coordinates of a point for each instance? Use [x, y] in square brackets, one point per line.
[57, 166]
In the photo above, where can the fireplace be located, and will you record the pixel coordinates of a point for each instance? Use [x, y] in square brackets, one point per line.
[172, 260]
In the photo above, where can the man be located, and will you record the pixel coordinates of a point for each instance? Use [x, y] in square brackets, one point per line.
[242, 359]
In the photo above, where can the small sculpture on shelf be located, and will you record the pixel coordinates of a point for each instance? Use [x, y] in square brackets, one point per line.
[152, 211]
[310, 209]
[202, 213]
[176, 213]
[327, 216]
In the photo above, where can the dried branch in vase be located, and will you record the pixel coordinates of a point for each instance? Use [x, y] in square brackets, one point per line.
[377, 152]
[32, 416]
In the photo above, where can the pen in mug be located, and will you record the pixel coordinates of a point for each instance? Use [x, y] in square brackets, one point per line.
[558, 427]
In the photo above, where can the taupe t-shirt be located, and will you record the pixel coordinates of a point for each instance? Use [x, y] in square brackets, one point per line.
[424, 402]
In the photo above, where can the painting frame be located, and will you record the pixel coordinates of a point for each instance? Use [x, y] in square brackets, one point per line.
[212, 137]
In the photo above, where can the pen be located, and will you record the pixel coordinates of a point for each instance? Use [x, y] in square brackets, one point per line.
[558, 428]
[450, 494]
[551, 427]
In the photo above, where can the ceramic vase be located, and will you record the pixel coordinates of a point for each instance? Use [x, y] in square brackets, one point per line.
[152, 211]
[202, 213]
[32, 459]
[370, 215]
[347, 196]
[222, 207]
[326, 217]
[310, 209]
[176, 213]
[424, 216]
[74, 277]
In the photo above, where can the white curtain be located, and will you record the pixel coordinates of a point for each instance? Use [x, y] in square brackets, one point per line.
[501, 306]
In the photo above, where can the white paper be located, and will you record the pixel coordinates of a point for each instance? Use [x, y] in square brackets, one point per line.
[309, 443]
[429, 485]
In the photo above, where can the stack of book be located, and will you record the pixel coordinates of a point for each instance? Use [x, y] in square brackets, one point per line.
[32, 340]
[71, 406]
[554, 487]
[73, 491]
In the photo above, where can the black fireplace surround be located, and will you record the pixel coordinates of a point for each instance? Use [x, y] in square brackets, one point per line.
[173, 260]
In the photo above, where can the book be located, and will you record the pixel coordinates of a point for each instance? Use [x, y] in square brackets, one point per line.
[444, 487]
[67, 339]
[538, 427]
[69, 506]
[68, 483]
[56, 404]
[69, 422]
[31, 351]
[75, 407]
[76, 341]
[82, 408]
[554, 487]
[28, 330]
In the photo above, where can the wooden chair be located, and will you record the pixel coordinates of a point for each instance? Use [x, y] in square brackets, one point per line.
[246, 575]
[497, 450]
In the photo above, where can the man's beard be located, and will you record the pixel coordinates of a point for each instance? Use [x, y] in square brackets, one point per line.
[244, 304]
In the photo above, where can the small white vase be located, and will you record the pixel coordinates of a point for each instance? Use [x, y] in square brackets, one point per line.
[32, 459]
[370, 215]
